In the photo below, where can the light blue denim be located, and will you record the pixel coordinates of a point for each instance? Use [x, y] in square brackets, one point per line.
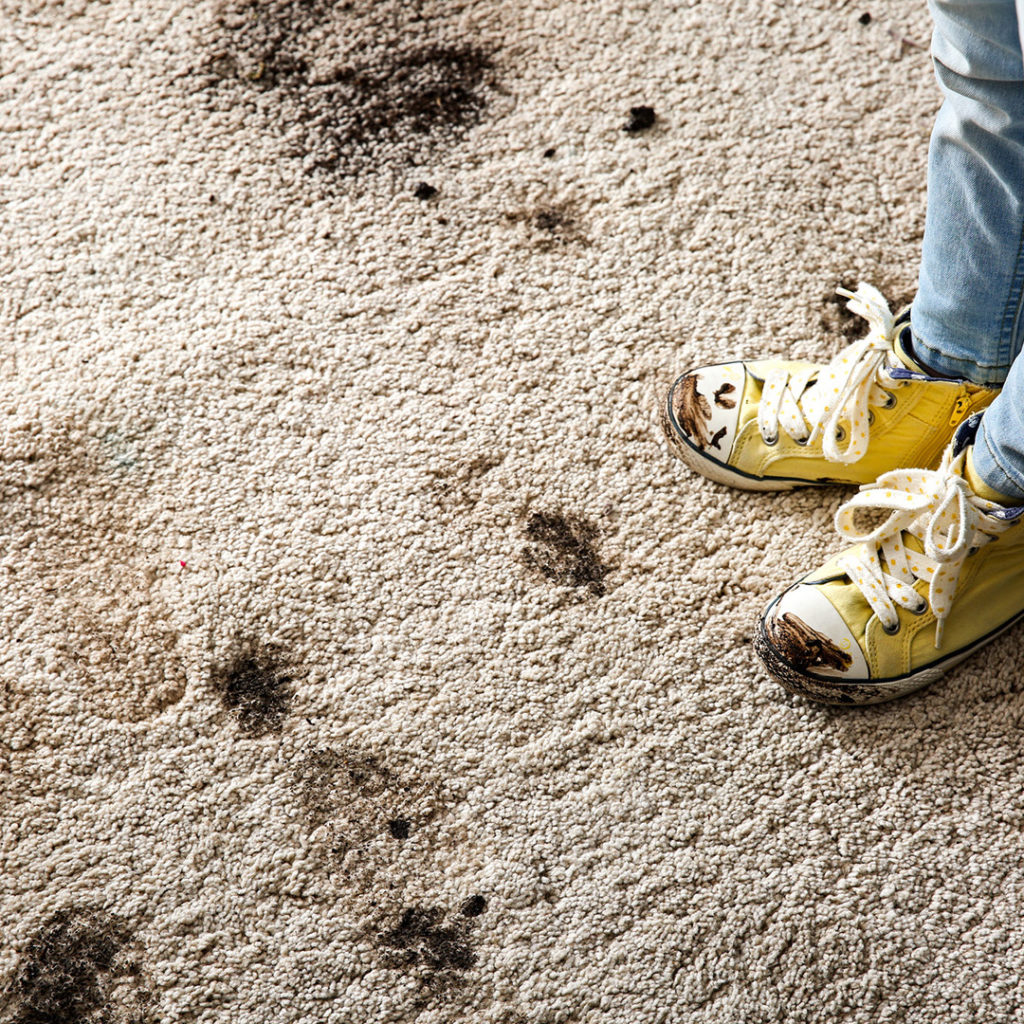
[968, 315]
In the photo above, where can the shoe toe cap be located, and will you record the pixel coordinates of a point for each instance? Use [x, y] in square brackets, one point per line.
[703, 408]
[804, 630]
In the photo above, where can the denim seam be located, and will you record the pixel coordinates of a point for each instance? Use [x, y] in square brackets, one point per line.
[1015, 485]
[1016, 285]
[962, 365]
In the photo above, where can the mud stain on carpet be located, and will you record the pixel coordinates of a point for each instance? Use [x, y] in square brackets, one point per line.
[460, 486]
[550, 225]
[256, 687]
[563, 549]
[78, 967]
[350, 87]
[68, 510]
[355, 799]
[424, 942]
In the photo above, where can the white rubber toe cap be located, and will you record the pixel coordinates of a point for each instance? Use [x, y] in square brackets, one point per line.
[705, 407]
[810, 634]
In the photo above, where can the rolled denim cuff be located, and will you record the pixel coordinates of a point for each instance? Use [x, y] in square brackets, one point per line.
[957, 369]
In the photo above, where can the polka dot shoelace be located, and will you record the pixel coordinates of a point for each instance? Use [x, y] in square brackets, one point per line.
[812, 402]
[949, 521]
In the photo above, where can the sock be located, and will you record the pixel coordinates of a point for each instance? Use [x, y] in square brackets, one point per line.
[904, 349]
[982, 489]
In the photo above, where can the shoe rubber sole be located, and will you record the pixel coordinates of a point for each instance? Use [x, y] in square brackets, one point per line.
[826, 690]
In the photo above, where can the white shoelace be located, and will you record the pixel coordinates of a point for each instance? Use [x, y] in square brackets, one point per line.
[808, 409]
[949, 521]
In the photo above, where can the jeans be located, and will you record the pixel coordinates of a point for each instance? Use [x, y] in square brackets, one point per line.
[968, 315]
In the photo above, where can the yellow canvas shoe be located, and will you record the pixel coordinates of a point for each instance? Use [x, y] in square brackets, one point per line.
[772, 425]
[938, 579]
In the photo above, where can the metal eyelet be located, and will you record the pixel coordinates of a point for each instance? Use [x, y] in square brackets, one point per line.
[890, 400]
[803, 443]
[893, 631]
[919, 610]
[871, 417]
[770, 441]
[840, 434]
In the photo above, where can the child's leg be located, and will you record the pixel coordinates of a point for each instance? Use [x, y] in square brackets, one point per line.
[966, 318]
[940, 576]
[998, 455]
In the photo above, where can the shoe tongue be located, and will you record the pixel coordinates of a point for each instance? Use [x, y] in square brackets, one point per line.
[913, 543]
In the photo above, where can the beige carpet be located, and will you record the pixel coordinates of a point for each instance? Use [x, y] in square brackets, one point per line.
[365, 655]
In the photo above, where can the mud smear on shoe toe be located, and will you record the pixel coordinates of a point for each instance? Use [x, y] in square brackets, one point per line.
[805, 647]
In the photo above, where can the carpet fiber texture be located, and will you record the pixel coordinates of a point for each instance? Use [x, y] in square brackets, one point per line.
[365, 655]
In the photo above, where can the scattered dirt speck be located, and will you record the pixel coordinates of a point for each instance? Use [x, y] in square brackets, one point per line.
[424, 191]
[474, 906]
[865, 18]
[640, 119]
[549, 152]
[399, 828]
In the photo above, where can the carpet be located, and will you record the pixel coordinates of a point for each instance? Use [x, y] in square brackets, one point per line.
[366, 657]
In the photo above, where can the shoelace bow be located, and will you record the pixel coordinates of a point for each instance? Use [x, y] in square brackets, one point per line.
[949, 520]
[809, 408]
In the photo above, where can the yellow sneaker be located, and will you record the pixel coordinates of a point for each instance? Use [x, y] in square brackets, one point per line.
[940, 578]
[772, 425]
